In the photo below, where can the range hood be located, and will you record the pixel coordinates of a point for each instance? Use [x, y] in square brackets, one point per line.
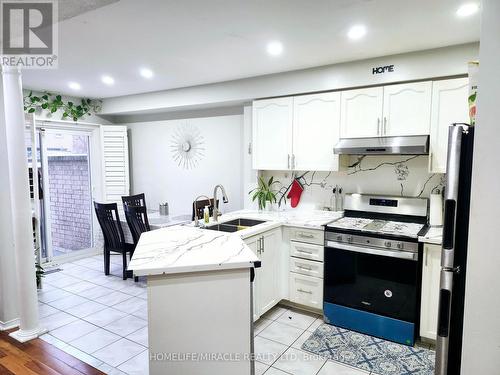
[406, 145]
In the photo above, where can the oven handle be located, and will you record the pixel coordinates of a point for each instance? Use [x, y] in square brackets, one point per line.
[367, 250]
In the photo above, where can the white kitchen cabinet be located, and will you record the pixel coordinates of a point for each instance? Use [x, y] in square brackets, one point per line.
[431, 268]
[449, 105]
[361, 112]
[306, 290]
[407, 109]
[272, 133]
[267, 277]
[316, 131]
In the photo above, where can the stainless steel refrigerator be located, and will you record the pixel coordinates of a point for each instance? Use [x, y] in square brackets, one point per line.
[454, 252]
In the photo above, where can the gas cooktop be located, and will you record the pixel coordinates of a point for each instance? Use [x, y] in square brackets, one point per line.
[396, 228]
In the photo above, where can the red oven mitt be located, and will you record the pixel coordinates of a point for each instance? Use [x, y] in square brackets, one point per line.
[295, 193]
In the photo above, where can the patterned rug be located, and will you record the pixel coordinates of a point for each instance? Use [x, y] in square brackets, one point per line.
[369, 353]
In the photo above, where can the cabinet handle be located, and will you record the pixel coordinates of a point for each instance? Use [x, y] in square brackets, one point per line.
[304, 268]
[426, 256]
[385, 125]
[378, 125]
[430, 162]
[288, 164]
[304, 252]
[293, 161]
[262, 243]
[306, 235]
[304, 291]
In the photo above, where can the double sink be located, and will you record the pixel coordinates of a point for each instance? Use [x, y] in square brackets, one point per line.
[234, 225]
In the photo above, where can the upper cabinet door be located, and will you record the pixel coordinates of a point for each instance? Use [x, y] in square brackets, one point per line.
[272, 134]
[361, 112]
[407, 109]
[316, 130]
[449, 105]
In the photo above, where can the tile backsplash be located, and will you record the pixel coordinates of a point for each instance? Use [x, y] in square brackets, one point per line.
[383, 175]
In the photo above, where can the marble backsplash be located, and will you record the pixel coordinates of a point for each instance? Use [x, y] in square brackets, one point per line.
[384, 175]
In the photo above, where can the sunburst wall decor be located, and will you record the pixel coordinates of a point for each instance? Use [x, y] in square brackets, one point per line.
[187, 146]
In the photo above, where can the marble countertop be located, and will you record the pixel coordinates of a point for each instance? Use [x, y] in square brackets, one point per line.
[185, 248]
[179, 249]
[434, 235]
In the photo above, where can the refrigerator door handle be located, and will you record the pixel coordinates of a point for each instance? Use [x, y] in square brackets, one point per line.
[443, 327]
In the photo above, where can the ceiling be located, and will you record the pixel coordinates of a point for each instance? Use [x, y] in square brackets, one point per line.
[193, 42]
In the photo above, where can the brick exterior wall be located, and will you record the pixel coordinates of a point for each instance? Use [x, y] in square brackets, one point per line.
[70, 203]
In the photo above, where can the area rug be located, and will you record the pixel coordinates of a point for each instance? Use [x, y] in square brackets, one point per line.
[369, 353]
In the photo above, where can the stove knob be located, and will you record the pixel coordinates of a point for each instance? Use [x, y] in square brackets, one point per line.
[400, 245]
[349, 239]
[339, 237]
[388, 244]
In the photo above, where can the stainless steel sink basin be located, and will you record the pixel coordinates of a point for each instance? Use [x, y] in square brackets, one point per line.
[234, 225]
[244, 222]
[223, 228]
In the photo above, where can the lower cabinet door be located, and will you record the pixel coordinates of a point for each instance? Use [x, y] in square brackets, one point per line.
[306, 290]
[267, 276]
[431, 270]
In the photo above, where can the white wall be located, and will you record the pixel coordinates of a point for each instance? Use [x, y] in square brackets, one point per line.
[154, 172]
[380, 181]
[481, 340]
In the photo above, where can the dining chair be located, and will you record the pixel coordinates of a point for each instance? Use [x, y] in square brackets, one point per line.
[137, 220]
[200, 206]
[134, 200]
[114, 240]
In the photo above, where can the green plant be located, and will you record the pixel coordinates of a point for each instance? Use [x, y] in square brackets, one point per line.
[264, 192]
[53, 103]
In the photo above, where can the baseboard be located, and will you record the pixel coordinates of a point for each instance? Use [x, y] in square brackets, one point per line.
[13, 323]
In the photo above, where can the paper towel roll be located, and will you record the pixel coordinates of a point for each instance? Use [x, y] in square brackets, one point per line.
[436, 210]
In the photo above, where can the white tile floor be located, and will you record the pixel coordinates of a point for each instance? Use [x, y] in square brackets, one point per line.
[102, 320]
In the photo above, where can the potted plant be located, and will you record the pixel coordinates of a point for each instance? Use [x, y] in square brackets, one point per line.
[264, 192]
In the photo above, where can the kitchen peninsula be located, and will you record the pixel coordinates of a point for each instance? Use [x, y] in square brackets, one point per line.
[199, 285]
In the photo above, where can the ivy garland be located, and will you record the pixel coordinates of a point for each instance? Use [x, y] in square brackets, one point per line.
[53, 103]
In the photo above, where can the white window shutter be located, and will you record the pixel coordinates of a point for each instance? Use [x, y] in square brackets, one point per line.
[115, 166]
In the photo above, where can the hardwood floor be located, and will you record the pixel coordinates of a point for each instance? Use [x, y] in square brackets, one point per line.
[37, 357]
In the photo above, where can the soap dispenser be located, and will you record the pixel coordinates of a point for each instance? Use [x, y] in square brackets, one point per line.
[206, 215]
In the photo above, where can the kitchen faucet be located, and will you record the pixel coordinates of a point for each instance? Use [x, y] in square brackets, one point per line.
[195, 207]
[216, 212]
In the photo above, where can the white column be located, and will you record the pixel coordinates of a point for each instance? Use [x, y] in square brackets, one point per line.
[9, 317]
[21, 207]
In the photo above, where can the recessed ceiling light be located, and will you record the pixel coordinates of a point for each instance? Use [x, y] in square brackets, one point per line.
[108, 80]
[74, 85]
[467, 9]
[146, 73]
[274, 48]
[356, 32]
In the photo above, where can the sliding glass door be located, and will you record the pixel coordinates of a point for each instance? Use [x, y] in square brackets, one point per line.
[66, 220]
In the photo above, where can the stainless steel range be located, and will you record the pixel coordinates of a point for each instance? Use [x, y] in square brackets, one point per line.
[372, 266]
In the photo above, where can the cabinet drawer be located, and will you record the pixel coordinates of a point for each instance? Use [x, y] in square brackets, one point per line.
[306, 290]
[315, 236]
[306, 251]
[306, 267]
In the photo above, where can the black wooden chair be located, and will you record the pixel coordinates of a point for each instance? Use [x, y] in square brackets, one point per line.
[200, 206]
[134, 200]
[137, 221]
[114, 240]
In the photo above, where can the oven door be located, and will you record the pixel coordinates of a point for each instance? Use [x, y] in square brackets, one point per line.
[378, 281]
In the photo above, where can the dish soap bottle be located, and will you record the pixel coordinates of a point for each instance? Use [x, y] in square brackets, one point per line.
[206, 215]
